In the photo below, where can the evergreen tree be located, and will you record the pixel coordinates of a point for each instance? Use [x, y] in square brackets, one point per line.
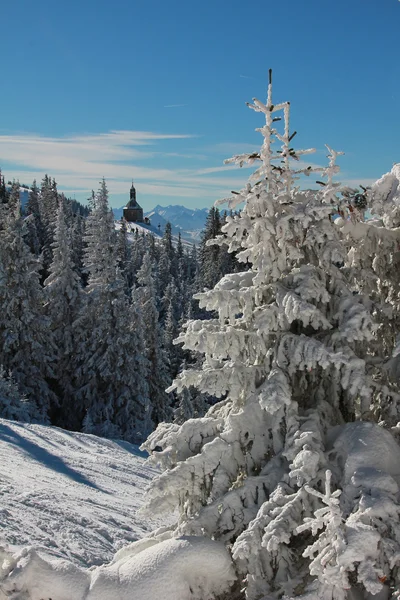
[133, 413]
[27, 349]
[76, 233]
[109, 400]
[164, 277]
[158, 366]
[35, 235]
[63, 293]
[169, 334]
[286, 355]
[209, 255]
[3, 190]
[373, 262]
[48, 203]
[167, 242]
[124, 256]
[137, 253]
[179, 247]
[184, 410]
[13, 405]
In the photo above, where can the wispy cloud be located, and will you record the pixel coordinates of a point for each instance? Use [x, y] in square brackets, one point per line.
[174, 105]
[78, 162]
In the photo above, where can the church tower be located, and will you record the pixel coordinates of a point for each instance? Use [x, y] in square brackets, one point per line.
[133, 212]
[132, 194]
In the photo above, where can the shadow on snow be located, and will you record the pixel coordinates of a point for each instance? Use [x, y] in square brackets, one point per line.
[43, 456]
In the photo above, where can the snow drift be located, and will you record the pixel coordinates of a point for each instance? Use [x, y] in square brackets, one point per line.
[188, 568]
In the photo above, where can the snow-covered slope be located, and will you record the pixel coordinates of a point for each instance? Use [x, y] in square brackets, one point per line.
[69, 500]
[141, 227]
[186, 221]
[69, 494]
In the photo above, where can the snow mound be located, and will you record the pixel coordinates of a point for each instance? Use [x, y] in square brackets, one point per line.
[70, 495]
[363, 448]
[385, 195]
[187, 568]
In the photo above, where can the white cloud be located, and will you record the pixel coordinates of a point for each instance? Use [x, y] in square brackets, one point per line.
[78, 162]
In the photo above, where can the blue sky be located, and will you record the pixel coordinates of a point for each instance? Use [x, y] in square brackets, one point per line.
[155, 90]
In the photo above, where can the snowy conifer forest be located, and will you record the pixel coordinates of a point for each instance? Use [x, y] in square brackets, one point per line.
[260, 372]
[89, 313]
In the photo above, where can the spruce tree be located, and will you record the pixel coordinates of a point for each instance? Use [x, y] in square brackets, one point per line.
[285, 354]
[48, 203]
[164, 277]
[108, 364]
[77, 230]
[13, 405]
[171, 309]
[137, 253]
[209, 255]
[63, 294]
[124, 256]
[184, 409]
[158, 373]
[3, 190]
[373, 263]
[27, 350]
[35, 237]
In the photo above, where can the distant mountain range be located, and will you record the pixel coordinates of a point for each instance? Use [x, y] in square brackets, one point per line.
[189, 222]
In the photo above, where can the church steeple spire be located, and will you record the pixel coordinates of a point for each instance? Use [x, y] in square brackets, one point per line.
[133, 193]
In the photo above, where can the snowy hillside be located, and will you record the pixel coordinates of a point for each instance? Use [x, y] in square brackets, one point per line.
[189, 222]
[69, 494]
[149, 229]
[69, 500]
[140, 227]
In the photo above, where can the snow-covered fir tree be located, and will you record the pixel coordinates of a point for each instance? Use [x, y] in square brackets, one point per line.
[373, 260]
[108, 399]
[170, 331]
[27, 350]
[209, 255]
[158, 373]
[13, 405]
[3, 190]
[35, 238]
[63, 294]
[78, 253]
[124, 253]
[133, 411]
[48, 204]
[287, 356]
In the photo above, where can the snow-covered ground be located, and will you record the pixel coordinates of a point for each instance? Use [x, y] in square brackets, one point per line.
[141, 227]
[68, 501]
[189, 222]
[68, 494]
